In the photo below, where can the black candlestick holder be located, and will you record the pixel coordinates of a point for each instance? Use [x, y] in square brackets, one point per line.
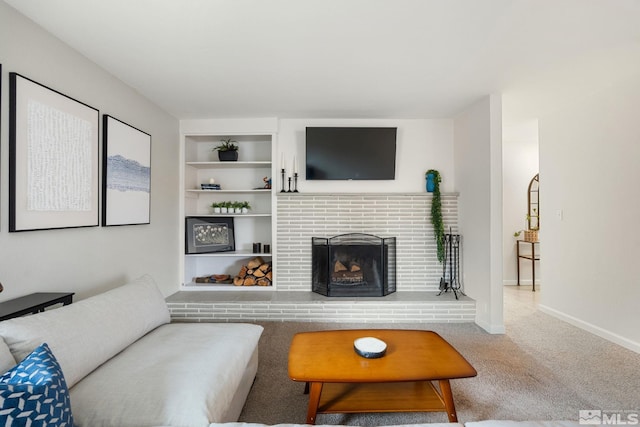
[282, 173]
[289, 191]
[295, 182]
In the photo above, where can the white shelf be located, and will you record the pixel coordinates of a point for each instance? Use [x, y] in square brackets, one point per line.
[267, 191]
[241, 254]
[217, 215]
[191, 286]
[229, 165]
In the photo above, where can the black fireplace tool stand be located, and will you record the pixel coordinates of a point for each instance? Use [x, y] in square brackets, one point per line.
[450, 280]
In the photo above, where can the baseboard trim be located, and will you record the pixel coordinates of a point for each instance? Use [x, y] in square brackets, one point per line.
[526, 282]
[492, 329]
[596, 330]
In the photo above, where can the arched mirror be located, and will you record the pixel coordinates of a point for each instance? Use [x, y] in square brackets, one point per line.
[533, 204]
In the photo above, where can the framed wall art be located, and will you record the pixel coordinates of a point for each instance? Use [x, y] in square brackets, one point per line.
[126, 184]
[53, 158]
[209, 234]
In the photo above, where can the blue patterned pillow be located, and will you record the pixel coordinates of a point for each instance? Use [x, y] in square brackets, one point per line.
[34, 392]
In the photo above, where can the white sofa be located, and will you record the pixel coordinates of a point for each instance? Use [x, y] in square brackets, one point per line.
[486, 423]
[125, 364]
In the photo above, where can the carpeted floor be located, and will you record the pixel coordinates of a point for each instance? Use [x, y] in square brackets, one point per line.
[541, 369]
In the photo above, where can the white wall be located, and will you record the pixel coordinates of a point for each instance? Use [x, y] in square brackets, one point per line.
[589, 169]
[421, 145]
[86, 260]
[478, 177]
[519, 165]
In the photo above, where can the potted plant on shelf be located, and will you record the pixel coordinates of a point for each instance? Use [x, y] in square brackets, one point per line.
[245, 207]
[216, 207]
[227, 150]
[433, 183]
[530, 234]
[237, 207]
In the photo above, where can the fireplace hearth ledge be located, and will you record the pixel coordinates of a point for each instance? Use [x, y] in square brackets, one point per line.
[399, 307]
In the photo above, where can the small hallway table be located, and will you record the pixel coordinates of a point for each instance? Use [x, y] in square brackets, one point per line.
[533, 257]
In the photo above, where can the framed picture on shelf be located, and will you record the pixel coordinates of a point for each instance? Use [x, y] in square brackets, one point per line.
[126, 166]
[53, 158]
[209, 234]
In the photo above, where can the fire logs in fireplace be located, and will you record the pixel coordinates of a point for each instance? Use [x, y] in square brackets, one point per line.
[342, 274]
[355, 265]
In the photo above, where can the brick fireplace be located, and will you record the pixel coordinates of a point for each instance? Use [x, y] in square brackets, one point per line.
[302, 216]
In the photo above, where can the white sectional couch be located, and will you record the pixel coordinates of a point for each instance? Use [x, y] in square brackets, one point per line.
[486, 423]
[126, 365]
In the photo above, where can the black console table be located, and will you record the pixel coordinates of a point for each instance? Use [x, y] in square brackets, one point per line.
[533, 256]
[33, 303]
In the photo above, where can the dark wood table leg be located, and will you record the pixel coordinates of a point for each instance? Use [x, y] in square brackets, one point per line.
[518, 260]
[315, 390]
[447, 396]
[533, 266]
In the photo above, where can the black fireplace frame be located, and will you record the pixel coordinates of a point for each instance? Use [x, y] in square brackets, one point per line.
[323, 250]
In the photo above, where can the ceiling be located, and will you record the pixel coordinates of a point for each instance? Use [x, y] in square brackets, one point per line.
[350, 58]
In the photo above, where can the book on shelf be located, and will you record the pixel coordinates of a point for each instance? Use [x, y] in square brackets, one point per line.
[210, 186]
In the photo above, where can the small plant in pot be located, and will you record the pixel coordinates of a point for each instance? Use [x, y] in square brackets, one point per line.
[227, 150]
[433, 186]
[530, 234]
[245, 207]
[216, 207]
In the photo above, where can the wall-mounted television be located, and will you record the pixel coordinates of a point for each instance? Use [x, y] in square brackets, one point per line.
[351, 153]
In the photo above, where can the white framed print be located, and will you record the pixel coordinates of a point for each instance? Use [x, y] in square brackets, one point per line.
[126, 183]
[53, 158]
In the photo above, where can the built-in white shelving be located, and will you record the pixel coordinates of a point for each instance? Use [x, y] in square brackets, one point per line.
[242, 180]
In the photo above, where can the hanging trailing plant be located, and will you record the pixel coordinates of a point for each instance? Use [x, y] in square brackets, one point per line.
[436, 214]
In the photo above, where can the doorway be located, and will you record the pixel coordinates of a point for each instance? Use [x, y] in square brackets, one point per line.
[520, 163]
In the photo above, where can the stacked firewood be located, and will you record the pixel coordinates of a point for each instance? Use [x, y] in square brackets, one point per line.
[256, 272]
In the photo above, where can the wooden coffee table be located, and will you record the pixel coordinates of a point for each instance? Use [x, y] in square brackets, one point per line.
[341, 381]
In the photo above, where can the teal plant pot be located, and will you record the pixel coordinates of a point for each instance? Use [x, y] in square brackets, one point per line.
[431, 183]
